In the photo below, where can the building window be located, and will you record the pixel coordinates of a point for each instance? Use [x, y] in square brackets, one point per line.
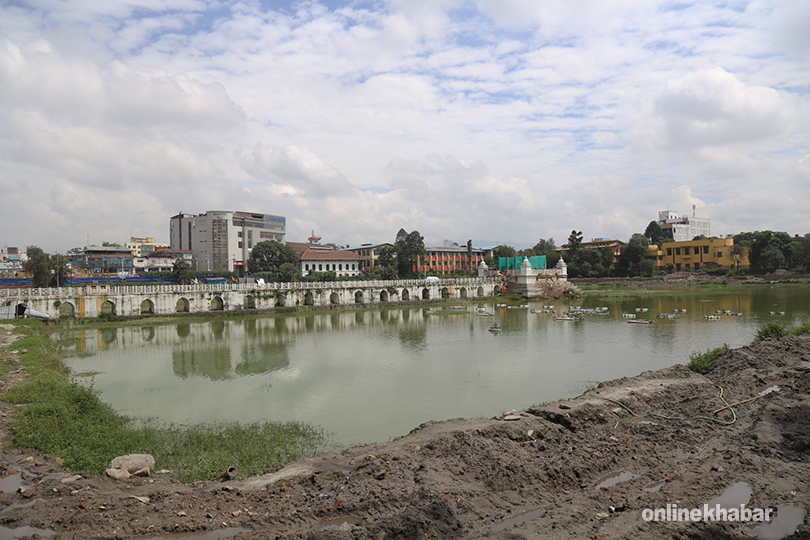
[307, 267]
[240, 245]
[697, 265]
[705, 249]
[320, 267]
[686, 252]
[677, 251]
[669, 251]
[353, 267]
[687, 265]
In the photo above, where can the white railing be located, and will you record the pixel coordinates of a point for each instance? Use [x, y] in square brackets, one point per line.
[105, 289]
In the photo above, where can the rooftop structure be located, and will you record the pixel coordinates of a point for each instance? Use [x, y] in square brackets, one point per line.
[683, 228]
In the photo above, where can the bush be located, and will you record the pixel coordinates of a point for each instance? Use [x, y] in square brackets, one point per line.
[704, 362]
[772, 330]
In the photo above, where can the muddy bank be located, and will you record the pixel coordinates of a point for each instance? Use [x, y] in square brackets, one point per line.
[583, 468]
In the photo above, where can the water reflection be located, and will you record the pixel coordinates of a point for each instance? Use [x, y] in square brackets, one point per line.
[213, 363]
[374, 374]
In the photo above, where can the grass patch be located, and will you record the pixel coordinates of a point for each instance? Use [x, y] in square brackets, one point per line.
[68, 420]
[775, 330]
[704, 362]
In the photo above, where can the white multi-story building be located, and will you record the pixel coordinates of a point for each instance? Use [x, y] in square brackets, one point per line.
[223, 240]
[682, 228]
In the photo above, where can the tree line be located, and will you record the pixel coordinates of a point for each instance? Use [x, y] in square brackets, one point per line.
[272, 260]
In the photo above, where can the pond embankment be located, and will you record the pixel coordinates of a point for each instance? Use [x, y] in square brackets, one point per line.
[588, 467]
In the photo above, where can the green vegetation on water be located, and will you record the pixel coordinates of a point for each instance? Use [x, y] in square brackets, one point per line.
[67, 420]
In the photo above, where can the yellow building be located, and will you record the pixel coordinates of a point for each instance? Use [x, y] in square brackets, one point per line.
[143, 247]
[697, 254]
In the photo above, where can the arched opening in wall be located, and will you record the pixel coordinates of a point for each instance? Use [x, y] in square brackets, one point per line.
[426, 294]
[358, 297]
[281, 299]
[250, 302]
[445, 293]
[147, 307]
[383, 296]
[67, 311]
[107, 308]
[334, 298]
[217, 304]
[405, 295]
[463, 292]
[309, 299]
[182, 305]
[480, 291]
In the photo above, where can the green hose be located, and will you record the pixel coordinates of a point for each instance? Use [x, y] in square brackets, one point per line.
[656, 415]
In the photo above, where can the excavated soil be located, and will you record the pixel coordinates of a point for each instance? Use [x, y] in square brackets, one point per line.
[583, 468]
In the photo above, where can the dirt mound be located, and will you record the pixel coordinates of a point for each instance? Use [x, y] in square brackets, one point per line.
[588, 467]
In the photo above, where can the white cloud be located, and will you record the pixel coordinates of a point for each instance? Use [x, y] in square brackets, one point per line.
[712, 108]
[482, 119]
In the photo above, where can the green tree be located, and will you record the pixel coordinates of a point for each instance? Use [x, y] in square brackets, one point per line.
[633, 253]
[771, 258]
[387, 261]
[607, 257]
[181, 271]
[502, 251]
[38, 265]
[801, 252]
[545, 247]
[269, 255]
[549, 249]
[59, 269]
[647, 267]
[574, 243]
[469, 256]
[759, 241]
[110, 244]
[288, 273]
[409, 248]
[654, 233]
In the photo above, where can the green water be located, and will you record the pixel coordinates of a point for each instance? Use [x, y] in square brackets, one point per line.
[371, 375]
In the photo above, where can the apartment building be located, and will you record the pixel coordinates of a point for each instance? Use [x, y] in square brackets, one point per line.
[369, 255]
[222, 240]
[143, 247]
[446, 260]
[682, 228]
[697, 254]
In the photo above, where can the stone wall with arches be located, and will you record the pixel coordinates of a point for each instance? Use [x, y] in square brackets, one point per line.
[167, 299]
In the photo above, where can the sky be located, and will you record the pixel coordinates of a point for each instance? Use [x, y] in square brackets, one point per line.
[500, 121]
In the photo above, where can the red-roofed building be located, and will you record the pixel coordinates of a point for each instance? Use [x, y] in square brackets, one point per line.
[318, 258]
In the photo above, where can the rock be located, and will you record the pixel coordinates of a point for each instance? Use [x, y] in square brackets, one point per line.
[133, 463]
[70, 479]
[511, 417]
[118, 474]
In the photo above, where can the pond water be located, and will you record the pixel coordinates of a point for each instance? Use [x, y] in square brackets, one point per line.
[374, 374]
